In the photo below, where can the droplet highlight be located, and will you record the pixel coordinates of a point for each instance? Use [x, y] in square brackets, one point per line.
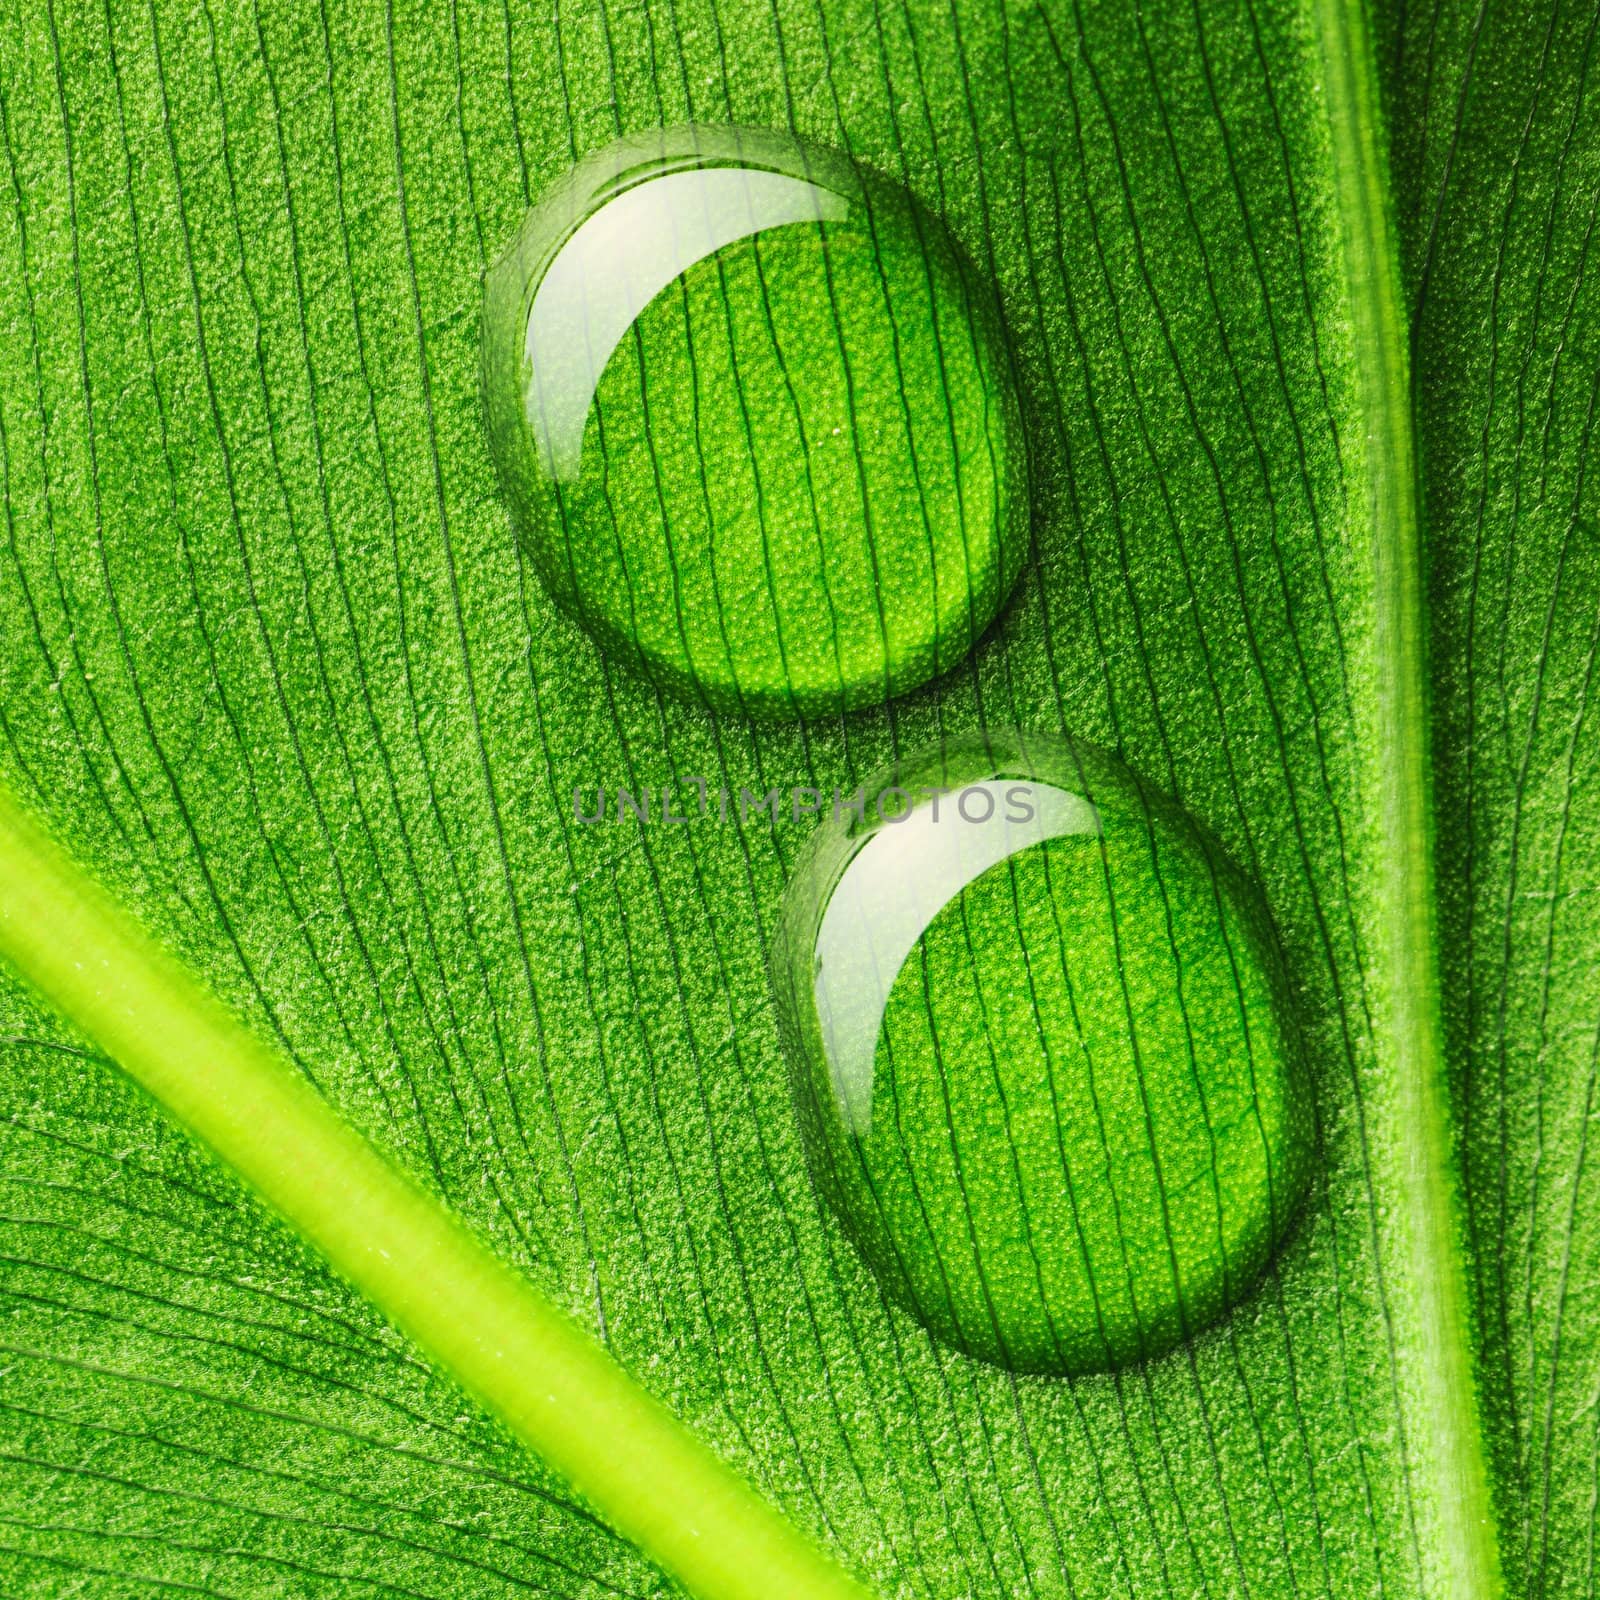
[1043, 1053]
[754, 415]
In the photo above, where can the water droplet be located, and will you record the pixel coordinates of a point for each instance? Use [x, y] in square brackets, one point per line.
[754, 415]
[1041, 1047]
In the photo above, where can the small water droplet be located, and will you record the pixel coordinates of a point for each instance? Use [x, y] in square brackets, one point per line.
[1041, 1046]
[753, 412]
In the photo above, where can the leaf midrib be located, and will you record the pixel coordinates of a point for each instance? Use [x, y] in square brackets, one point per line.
[1433, 1360]
[557, 1390]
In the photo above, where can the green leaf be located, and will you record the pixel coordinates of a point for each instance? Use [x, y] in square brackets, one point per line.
[1495, 140]
[482, 1322]
[276, 670]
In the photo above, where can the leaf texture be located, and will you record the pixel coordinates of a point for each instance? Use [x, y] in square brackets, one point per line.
[1496, 162]
[274, 665]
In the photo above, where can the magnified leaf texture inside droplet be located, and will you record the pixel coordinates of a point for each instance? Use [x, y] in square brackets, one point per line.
[1043, 1053]
[754, 414]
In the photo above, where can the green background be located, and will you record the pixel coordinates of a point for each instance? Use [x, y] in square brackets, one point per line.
[273, 665]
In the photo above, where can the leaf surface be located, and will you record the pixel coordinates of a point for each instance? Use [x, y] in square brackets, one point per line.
[1494, 115]
[277, 671]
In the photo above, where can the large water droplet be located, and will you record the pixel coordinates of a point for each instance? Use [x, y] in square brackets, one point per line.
[754, 414]
[1043, 1054]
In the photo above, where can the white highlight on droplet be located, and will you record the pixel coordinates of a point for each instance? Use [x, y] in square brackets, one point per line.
[618, 260]
[893, 887]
